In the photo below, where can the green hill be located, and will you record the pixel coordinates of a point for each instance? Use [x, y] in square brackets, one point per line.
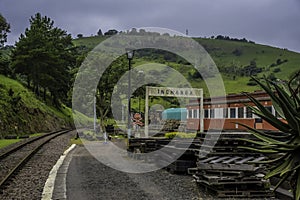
[22, 113]
[236, 61]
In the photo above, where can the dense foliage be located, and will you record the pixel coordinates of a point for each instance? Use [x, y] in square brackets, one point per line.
[4, 29]
[221, 37]
[43, 56]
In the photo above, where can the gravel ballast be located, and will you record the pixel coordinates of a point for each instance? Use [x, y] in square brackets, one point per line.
[28, 183]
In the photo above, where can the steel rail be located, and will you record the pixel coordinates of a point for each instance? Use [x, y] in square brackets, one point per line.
[17, 167]
[16, 148]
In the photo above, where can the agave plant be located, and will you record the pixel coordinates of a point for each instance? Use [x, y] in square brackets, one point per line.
[283, 148]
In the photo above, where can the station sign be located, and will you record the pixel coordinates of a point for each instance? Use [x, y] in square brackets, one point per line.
[174, 92]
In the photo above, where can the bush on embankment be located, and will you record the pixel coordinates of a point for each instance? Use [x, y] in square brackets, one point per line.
[22, 113]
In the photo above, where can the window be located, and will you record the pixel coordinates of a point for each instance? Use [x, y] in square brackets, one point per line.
[273, 111]
[232, 113]
[212, 113]
[206, 113]
[258, 120]
[225, 113]
[269, 108]
[190, 114]
[241, 112]
[249, 113]
[219, 113]
[254, 115]
[195, 114]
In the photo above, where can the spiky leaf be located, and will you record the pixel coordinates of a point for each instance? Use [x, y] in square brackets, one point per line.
[298, 187]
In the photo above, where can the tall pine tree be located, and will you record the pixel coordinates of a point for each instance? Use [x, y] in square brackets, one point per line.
[43, 55]
[4, 29]
[4, 60]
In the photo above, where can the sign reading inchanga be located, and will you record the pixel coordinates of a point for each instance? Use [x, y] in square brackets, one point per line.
[174, 92]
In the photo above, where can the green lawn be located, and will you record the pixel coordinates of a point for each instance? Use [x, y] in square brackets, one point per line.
[36, 134]
[4, 142]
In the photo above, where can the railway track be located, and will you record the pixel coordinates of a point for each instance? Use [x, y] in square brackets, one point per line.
[14, 159]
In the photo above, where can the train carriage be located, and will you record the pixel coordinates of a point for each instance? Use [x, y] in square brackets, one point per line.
[223, 113]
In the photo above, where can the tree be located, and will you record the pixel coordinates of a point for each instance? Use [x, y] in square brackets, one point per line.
[111, 32]
[237, 52]
[4, 65]
[279, 61]
[79, 35]
[133, 31]
[99, 33]
[271, 77]
[4, 29]
[4, 61]
[106, 86]
[253, 63]
[283, 148]
[142, 32]
[43, 55]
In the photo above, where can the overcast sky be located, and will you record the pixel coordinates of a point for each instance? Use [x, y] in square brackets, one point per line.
[271, 22]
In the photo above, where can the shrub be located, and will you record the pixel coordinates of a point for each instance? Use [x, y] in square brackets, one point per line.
[251, 82]
[172, 135]
[237, 52]
[284, 148]
[276, 70]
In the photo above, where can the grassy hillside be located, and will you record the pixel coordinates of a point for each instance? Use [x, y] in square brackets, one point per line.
[21, 113]
[89, 42]
[232, 59]
[239, 54]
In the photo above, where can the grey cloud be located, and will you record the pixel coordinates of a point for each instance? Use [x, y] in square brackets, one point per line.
[272, 22]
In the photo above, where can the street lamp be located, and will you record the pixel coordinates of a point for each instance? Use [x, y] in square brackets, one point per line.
[140, 79]
[130, 54]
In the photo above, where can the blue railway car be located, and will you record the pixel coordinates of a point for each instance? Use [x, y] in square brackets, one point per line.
[175, 113]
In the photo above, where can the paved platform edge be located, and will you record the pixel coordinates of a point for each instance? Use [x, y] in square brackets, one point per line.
[50, 183]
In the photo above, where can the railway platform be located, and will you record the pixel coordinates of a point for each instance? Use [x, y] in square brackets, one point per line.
[82, 176]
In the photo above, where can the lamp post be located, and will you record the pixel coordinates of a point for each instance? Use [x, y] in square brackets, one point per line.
[141, 80]
[130, 54]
